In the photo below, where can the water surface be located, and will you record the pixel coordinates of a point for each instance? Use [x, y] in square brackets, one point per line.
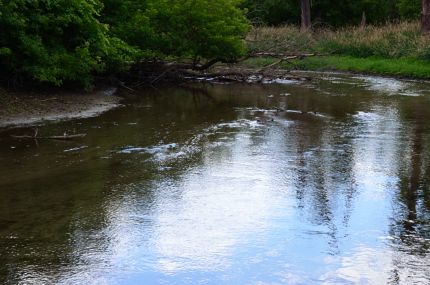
[321, 182]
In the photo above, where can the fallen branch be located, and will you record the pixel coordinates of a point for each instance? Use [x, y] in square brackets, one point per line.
[157, 71]
[63, 137]
[121, 84]
[271, 65]
[245, 75]
[282, 55]
[278, 55]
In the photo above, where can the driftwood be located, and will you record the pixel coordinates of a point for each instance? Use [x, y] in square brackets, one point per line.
[65, 136]
[245, 75]
[152, 72]
[285, 56]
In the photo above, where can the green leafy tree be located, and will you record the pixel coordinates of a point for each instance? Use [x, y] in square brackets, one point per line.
[57, 41]
[54, 40]
[180, 28]
[200, 28]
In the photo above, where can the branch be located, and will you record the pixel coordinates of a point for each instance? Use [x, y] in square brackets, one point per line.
[206, 65]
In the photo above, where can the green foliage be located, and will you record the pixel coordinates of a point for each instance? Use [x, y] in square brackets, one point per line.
[53, 40]
[403, 67]
[56, 41]
[181, 28]
[128, 20]
[199, 28]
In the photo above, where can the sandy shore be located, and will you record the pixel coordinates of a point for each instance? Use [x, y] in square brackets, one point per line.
[23, 109]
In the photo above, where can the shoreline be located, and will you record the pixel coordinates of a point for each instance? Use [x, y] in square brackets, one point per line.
[22, 109]
[402, 68]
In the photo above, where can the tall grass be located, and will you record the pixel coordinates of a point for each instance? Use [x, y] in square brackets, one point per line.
[389, 41]
[285, 39]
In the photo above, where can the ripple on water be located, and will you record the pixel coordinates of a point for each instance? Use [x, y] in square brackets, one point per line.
[174, 151]
[149, 150]
[390, 86]
[160, 153]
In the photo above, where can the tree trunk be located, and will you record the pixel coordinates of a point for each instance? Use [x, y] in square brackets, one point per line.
[363, 20]
[306, 15]
[425, 16]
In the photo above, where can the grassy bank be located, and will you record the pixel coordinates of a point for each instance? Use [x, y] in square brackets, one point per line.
[402, 67]
[393, 49]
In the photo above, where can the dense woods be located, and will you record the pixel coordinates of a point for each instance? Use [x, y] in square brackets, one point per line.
[58, 41]
[328, 13]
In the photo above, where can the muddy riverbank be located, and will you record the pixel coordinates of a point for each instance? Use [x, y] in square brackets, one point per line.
[27, 108]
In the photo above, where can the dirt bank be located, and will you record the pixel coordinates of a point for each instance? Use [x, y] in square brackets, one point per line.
[23, 108]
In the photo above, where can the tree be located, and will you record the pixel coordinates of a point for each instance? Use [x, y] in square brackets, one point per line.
[54, 41]
[73, 40]
[425, 16]
[306, 15]
[196, 29]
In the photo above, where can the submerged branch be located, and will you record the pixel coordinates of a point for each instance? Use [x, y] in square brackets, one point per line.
[158, 71]
[65, 136]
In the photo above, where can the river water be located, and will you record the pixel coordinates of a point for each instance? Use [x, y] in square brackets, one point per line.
[315, 182]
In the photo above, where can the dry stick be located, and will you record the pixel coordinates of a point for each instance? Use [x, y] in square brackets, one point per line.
[270, 65]
[278, 55]
[284, 59]
[282, 55]
[126, 87]
[157, 78]
[207, 65]
[63, 137]
[49, 99]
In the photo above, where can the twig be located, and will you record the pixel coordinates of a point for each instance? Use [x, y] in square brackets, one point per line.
[63, 137]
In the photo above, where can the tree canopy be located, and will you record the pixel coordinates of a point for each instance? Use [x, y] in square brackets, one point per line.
[56, 41]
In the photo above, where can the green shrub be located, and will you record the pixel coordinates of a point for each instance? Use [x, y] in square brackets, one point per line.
[54, 41]
[180, 28]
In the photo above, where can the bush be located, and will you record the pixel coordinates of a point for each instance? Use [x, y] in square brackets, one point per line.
[180, 28]
[55, 41]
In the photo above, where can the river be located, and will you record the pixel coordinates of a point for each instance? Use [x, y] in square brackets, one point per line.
[308, 182]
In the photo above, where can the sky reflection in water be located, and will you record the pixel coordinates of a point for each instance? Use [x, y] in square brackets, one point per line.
[200, 186]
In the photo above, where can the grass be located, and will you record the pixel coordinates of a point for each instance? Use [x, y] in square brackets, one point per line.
[394, 49]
